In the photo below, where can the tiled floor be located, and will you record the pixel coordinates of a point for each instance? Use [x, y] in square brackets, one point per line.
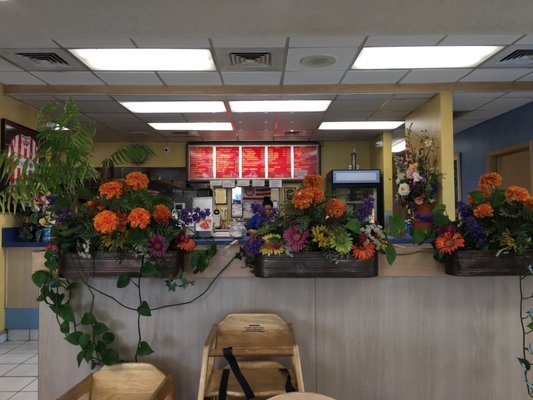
[18, 370]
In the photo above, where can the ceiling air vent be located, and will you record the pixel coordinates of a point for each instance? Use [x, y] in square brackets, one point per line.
[293, 132]
[260, 60]
[44, 59]
[519, 57]
[51, 59]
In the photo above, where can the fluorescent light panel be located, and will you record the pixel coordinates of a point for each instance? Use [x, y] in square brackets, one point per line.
[359, 125]
[146, 59]
[191, 126]
[174, 106]
[279, 106]
[423, 57]
[399, 146]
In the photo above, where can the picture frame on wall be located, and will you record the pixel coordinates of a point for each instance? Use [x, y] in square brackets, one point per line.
[288, 193]
[18, 140]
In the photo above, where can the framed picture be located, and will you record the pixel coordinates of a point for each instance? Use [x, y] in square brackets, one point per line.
[20, 141]
[288, 193]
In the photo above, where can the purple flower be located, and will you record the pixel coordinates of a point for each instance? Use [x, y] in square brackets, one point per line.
[365, 209]
[296, 238]
[464, 210]
[474, 230]
[252, 246]
[157, 246]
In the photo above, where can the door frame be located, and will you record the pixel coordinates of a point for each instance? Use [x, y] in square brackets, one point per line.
[494, 154]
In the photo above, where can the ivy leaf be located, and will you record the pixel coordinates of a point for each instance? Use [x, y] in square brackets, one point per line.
[79, 358]
[123, 280]
[64, 327]
[148, 268]
[144, 309]
[66, 313]
[74, 338]
[199, 261]
[84, 340]
[525, 364]
[211, 250]
[41, 277]
[110, 357]
[353, 225]
[144, 349]
[418, 236]
[396, 225]
[390, 253]
[99, 328]
[88, 319]
[108, 338]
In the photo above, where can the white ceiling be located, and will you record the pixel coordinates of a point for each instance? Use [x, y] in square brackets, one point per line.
[290, 30]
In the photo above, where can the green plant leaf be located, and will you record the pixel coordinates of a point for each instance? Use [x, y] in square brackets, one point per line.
[525, 364]
[439, 209]
[79, 358]
[199, 261]
[144, 349]
[88, 319]
[476, 196]
[390, 253]
[108, 338]
[418, 236]
[211, 250]
[66, 313]
[123, 280]
[144, 309]
[148, 268]
[99, 328]
[64, 327]
[84, 340]
[110, 357]
[353, 225]
[41, 277]
[74, 338]
[497, 198]
[396, 225]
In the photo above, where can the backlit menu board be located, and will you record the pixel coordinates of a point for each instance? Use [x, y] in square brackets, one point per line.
[279, 162]
[305, 161]
[201, 162]
[227, 162]
[253, 162]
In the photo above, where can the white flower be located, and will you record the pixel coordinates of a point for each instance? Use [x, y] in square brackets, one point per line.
[428, 143]
[400, 177]
[403, 189]
[416, 177]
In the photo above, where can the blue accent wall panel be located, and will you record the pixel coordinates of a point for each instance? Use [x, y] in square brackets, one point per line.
[474, 143]
[22, 318]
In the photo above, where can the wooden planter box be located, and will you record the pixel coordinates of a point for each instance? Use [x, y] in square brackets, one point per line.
[72, 266]
[313, 265]
[485, 263]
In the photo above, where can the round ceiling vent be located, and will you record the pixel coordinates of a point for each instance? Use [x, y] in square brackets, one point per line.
[318, 61]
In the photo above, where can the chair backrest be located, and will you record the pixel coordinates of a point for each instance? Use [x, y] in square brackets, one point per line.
[254, 334]
[301, 396]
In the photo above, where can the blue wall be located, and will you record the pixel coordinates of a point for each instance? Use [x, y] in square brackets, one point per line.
[510, 128]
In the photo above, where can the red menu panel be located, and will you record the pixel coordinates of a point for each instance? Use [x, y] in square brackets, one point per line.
[279, 162]
[200, 162]
[253, 161]
[227, 161]
[305, 161]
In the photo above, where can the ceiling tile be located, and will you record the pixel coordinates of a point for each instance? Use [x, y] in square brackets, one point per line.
[420, 95]
[172, 43]
[459, 126]
[34, 42]
[468, 103]
[69, 78]
[490, 95]
[506, 103]
[527, 78]
[399, 40]
[312, 77]
[255, 136]
[255, 124]
[367, 76]
[161, 117]
[527, 40]
[388, 115]
[247, 117]
[435, 75]
[356, 105]
[113, 117]
[495, 74]
[19, 78]
[291, 138]
[190, 78]
[348, 136]
[481, 115]
[89, 106]
[251, 78]
[7, 66]
[525, 93]
[304, 116]
[365, 96]
[402, 104]
[218, 136]
[344, 58]
[250, 42]
[325, 41]
[166, 97]
[347, 116]
[126, 126]
[129, 78]
[478, 40]
[207, 117]
[298, 125]
[77, 97]
[95, 43]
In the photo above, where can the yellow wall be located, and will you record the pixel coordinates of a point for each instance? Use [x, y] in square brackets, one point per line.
[337, 155]
[436, 118]
[381, 158]
[175, 157]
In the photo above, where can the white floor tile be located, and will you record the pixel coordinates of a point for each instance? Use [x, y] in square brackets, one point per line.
[6, 395]
[10, 358]
[4, 368]
[11, 345]
[25, 396]
[23, 370]
[14, 384]
[27, 347]
[33, 360]
[32, 387]
[18, 334]
[34, 334]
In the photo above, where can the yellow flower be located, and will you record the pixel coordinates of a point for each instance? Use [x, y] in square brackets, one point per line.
[273, 245]
[321, 235]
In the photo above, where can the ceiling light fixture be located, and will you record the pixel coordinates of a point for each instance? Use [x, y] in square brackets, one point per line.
[146, 59]
[192, 126]
[398, 146]
[174, 106]
[411, 57]
[318, 61]
[359, 125]
[279, 106]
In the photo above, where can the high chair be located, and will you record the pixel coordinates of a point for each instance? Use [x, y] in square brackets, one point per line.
[131, 381]
[256, 339]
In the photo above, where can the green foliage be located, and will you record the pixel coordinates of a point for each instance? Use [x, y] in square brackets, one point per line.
[137, 153]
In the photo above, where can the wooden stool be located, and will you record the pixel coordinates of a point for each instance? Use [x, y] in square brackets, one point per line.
[258, 338]
[132, 381]
[301, 396]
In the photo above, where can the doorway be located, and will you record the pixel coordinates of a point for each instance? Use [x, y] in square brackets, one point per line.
[514, 164]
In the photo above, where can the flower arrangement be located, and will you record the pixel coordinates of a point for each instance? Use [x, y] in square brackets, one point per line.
[38, 216]
[311, 222]
[493, 218]
[417, 175]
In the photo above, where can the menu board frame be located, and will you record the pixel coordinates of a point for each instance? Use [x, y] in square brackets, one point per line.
[252, 144]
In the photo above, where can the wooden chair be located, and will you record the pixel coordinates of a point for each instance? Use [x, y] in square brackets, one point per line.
[132, 381]
[301, 396]
[255, 339]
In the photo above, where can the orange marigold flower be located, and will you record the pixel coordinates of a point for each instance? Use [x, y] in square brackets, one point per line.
[516, 193]
[106, 222]
[313, 181]
[484, 210]
[528, 203]
[137, 180]
[122, 219]
[448, 242]
[492, 180]
[90, 204]
[335, 208]
[111, 189]
[364, 252]
[318, 194]
[302, 199]
[139, 218]
[187, 245]
[161, 213]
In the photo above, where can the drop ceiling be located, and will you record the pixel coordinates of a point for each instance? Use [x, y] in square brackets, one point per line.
[289, 32]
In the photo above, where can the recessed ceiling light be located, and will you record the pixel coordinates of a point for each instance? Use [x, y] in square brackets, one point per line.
[174, 106]
[423, 57]
[398, 146]
[193, 126]
[318, 61]
[360, 125]
[146, 59]
[279, 106]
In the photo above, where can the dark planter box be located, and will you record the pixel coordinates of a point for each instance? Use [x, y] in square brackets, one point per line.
[485, 263]
[72, 266]
[313, 265]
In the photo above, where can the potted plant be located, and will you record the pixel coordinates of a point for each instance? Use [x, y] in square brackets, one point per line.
[313, 236]
[492, 233]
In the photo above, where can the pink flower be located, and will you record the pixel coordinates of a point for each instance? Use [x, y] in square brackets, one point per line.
[157, 246]
[409, 173]
[419, 200]
[51, 247]
[296, 238]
